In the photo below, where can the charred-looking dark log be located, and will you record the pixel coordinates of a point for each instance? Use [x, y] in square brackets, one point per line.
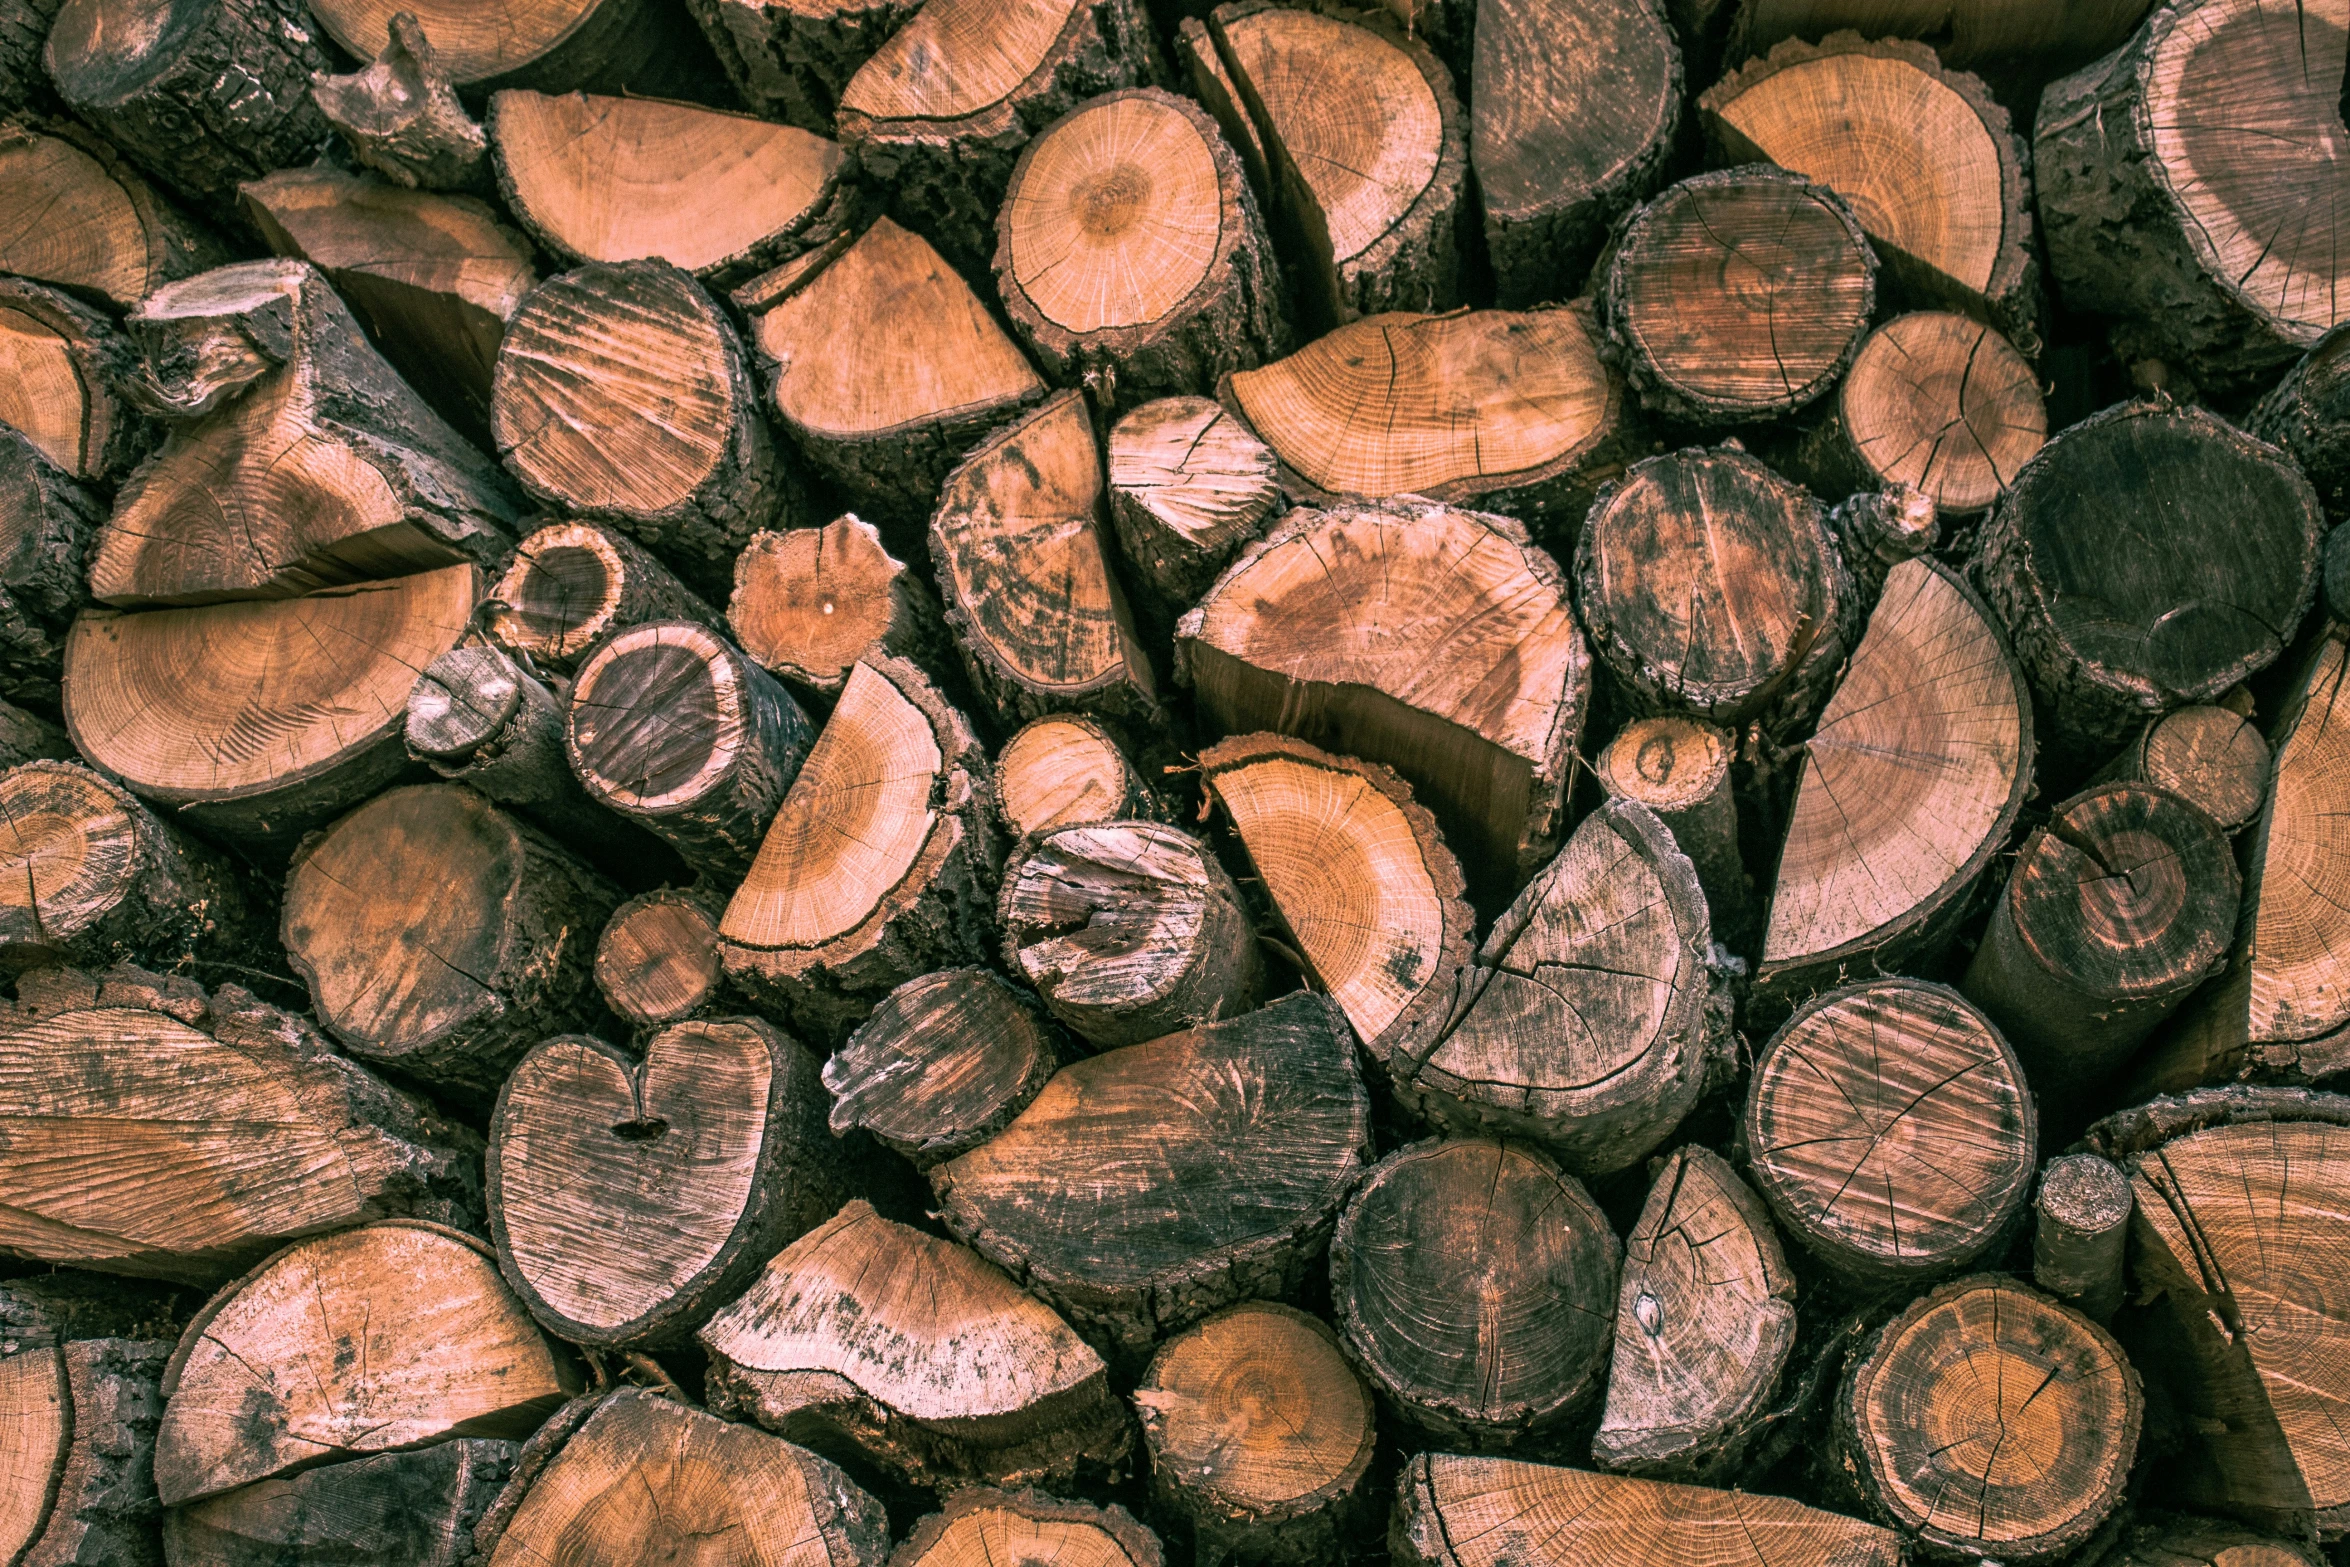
[418, 1507]
[2214, 758]
[809, 602]
[630, 1199]
[1986, 1417]
[1890, 1129]
[1680, 769]
[1148, 1186]
[106, 234]
[657, 960]
[920, 1353]
[401, 116]
[1475, 1283]
[475, 717]
[611, 46]
[790, 62]
[571, 584]
[2149, 557]
[49, 523]
[80, 1412]
[2081, 1225]
[943, 1064]
[1056, 771]
[1737, 295]
[981, 1526]
[2308, 414]
[1189, 485]
[1934, 401]
[66, 374]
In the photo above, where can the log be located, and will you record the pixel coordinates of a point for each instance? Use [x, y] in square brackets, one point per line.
[791, 62]
[1911, 783]
[81, 1418]
[1055, 772]
[49, 524]
[1890, 1130]
[1203, 69]
[1501, 410]
[296, 457]
[417, 1508]
[1986, 1417]
[2179, 1541]
[25, 738]
[981, 1526]
[1488, 1512]
[106, 233]
[2169, 175]
[1705, 1325]
[1475, 1283]
[630, 1199]
[1971, 34]
[880, 865]
[476, 717]
[231, 715]
[432, 1343]
[1020, 542]
[64, 371]
[1260, 1435]
[2081, 1221]
[1680, 769]
[1710, 586]
[2117, 909]
[1434, 640]
[810, 602]
[2308, 415]
[917, 1354]
[22, 32]
[401, 117]
[571, 584]
[156, 82]
[196, 1196]
[1130, 254]
[438, 869]
[1594, 1016]
[552, 45]
[1367, 894]
[436, 278]
[943, 1064]
[1573, 113]
[1737, 295]
[1879, 529]
[938, 116]
[2149, 557]
[1189, 485]
[657, 960]
[674, 729]
[621, 396]
[1128, 930]
[2214, 758]
[885, 366]
[627, 179]
[638, 1477]
[1146, 1187]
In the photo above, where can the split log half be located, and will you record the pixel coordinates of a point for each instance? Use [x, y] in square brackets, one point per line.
[1189, 485]
[1986, 1417]
[80, 1419]
[791, 61]
[259, 720]
[2308, 414]
[1435, 640]
[1128, 930]
[2081, 1224]
[104, 232]
[49, 524]
[502, 912]
[2214, 758]
[621, 396]
[1368, 894]
[1594, 1017]
[417, 1508]
[131, 1143]
[436, 278]
[2186, 185]
[1573, 111]
[2150, 556]
[401, 116]
[1057, 771]
[942, 1065]
[1971, 34]
[673, 728]
[919, 1354]
[1889, 1128]
[570, 584]
[64, 369]
[1507, 410]
[1020, 540]
[1130, 254]
[475, 717]
[1935, 401]
[1911, 783]
[810, 602]
[657, 961]
[630, 1199]
[1737, 295]
[637, 46]
[981, 1526]
[1475, 1283]
[1493, 1512]
[940, 111]
[1705, 1322]
[630, 179]
[1710, 585]
[394, 1335]
[1260, 1434]
[1146, 1187]
[1680, 769]
[2116, 910]
[885, 366]
[881, 863]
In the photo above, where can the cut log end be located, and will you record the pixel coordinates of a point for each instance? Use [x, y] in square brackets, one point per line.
[943, 1064]
[1189, 485]
[810, 602]
[572, 583]
[1057, 771]
[657, 960]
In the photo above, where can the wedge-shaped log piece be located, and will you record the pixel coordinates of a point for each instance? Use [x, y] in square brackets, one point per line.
[64, 370]
[943, 1064]
[389, 1336]
[1058, 771]
[809, 602]
[1434, 640]
[790, 58]
[2214, 758]
[981, 1525]
[75, 1481]
[1937, 401]
[49, 524]
[1146, 1187]
[1189, 485]
[920, 1353]
[401, 115]
[417, 1507]
[553, 45]
[103, 231]
[258, 720]
[1911, 783]
[657, 960]
[572, 583]
[1492, 1512]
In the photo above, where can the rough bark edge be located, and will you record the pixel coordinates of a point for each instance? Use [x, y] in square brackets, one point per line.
[115, 436]
[38, 607]
[1139, 1544]
[177, 245]
[103, 1509]
[925, 1153]
[791, 67]
[421, 137]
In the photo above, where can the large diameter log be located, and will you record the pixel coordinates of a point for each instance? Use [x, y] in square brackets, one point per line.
[1936, 401]
[105, 232]
[2081, 1223]
[630, 1199]
[943, 1064]
[657, 960]
[2150, 556]
[418, 1508]
[49, 523]
[390, 1336]
[790, 62]
[552, 45]
[402, 118]
[1189, 485]
[981, 1525]
[65, 372]
[1890, 1129]
[1434, 640]
[1150, 1185]
[2214, 758]
[75, 1482]
[477, 718]
[1058, 771]
[809, 602]
[919, 1353]
[1680, 769]
[571, 584]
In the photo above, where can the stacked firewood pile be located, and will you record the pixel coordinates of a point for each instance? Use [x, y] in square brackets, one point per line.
[811, 783]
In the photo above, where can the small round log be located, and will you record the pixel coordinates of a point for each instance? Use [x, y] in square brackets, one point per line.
[810, 602]
[657, 960]
[108, 234]
[982, 1526]
[1189, 485]
[2214, 758]
[1680, 769]
[1878, 530]
[573, 583]
[1935, 401]
[1057, 771]
[401, 116]
[942, 1065]
[476, 718]
[2081, 1225]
